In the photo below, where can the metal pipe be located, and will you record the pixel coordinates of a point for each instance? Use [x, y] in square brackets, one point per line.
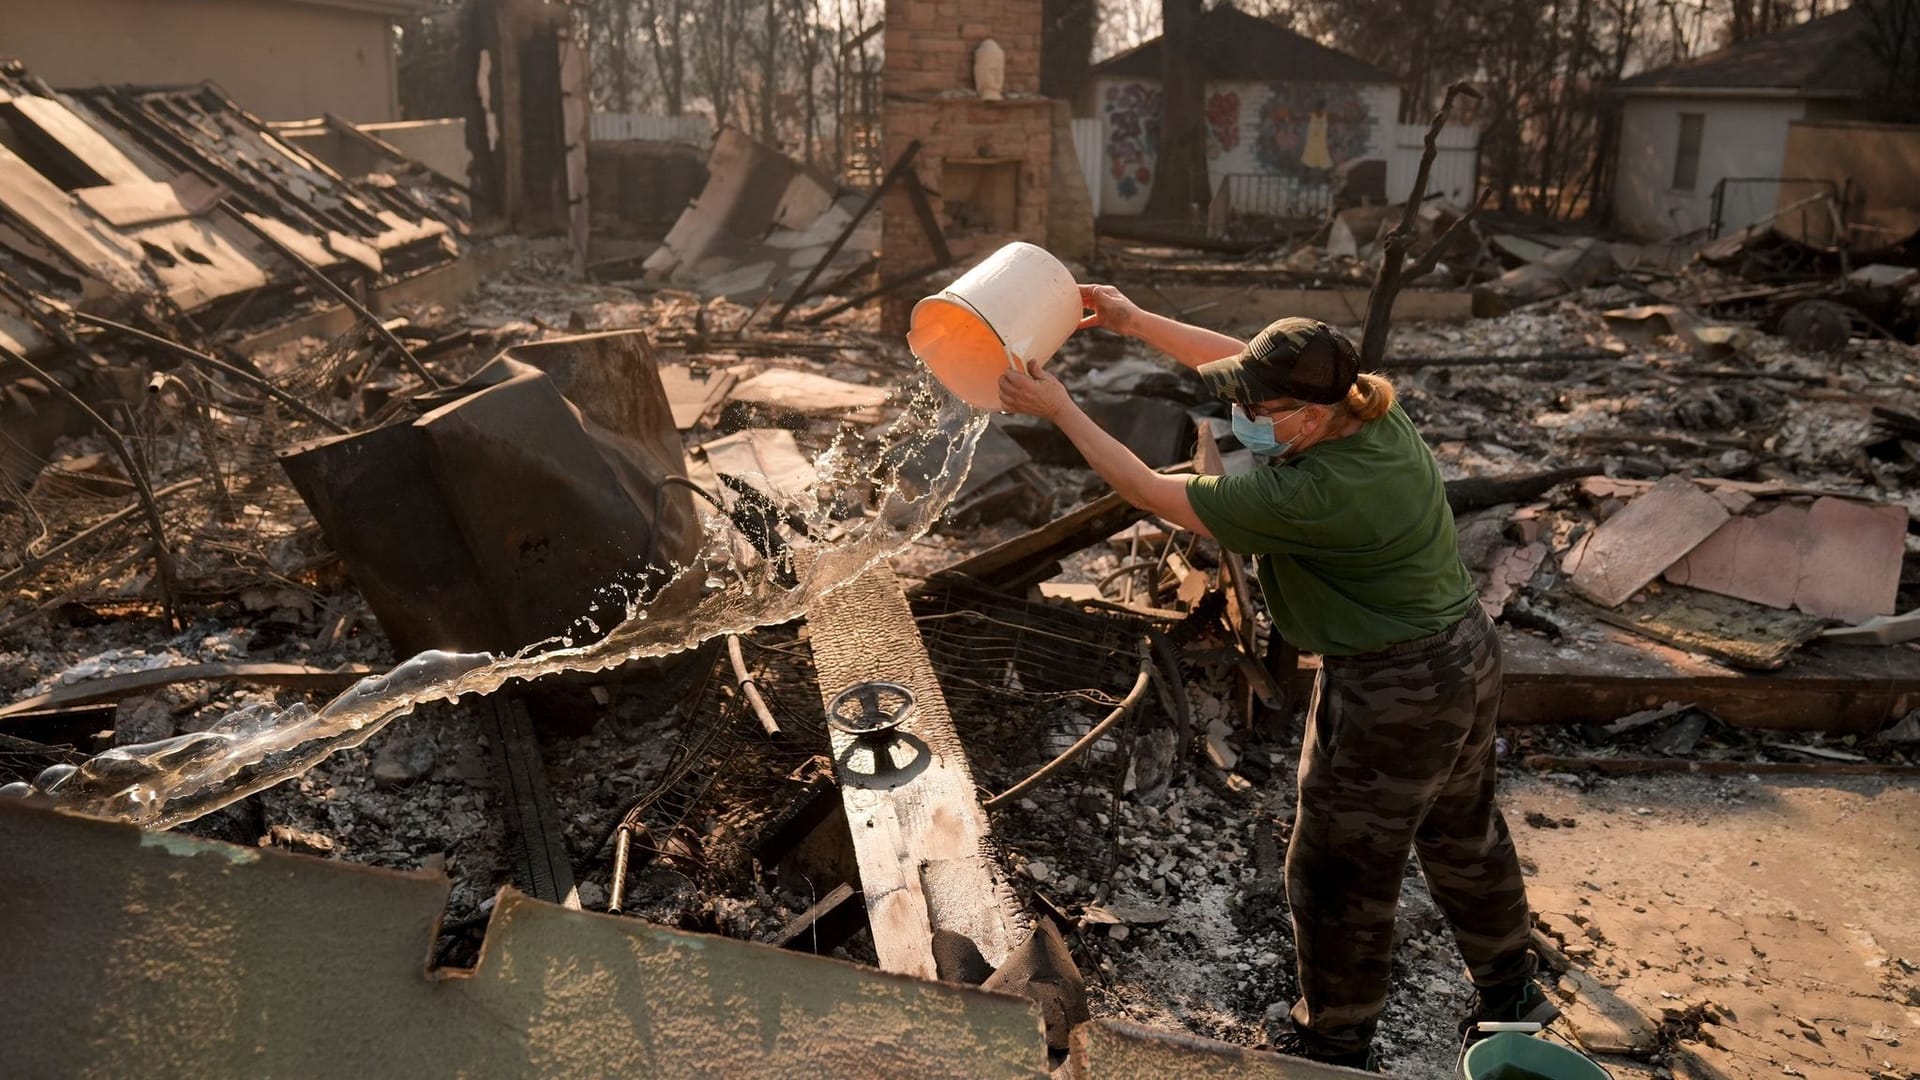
[1067, 756]
[745, 682]
[617, 888]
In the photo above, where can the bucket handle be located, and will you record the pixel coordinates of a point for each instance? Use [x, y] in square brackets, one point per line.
[1492, 1027]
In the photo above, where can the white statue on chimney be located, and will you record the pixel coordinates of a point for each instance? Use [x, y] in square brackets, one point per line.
[989, 70]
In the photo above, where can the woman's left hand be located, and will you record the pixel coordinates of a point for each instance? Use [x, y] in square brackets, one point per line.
[1038, 394]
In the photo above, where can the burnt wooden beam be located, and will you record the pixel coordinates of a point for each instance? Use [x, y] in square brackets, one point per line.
[919, 831]
[830, 923]
[1018, 564]
[537, 856]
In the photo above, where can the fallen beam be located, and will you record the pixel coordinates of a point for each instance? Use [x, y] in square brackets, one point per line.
[537, 858]
[919, 833]
[825, 926]
[1839, 689]
[1247, 308]
[1644, 766]
[1030, 558]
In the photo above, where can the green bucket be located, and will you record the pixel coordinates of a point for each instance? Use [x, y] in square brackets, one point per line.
[1510, 1055]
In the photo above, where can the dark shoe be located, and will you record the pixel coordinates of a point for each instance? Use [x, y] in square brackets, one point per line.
[1522, 1004]
[1291, 1043]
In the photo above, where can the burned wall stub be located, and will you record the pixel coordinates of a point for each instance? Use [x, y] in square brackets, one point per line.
[525, 68]
[987, 165]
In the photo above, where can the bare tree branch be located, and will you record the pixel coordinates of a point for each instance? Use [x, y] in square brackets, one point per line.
[1386, 284]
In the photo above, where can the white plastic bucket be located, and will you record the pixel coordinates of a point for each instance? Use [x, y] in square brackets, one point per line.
[1019, 304]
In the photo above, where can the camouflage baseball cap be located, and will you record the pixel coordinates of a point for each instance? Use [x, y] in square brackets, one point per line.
[1302, 359]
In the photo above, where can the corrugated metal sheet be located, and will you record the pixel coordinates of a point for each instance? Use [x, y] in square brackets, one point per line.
[1456, 168]
[124, 194]
[645, 127]
[1090, 143]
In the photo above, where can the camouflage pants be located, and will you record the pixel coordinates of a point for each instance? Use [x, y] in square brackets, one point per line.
[1399, 756]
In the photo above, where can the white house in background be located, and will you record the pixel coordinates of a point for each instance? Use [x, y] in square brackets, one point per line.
[280, 59]
[1289, 121]
[1718, 124]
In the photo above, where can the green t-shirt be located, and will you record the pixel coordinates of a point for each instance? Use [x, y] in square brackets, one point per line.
[1355, 540]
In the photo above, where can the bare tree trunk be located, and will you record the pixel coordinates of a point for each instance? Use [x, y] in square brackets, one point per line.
[1066, 45]
[1180, 175]
[769, 74]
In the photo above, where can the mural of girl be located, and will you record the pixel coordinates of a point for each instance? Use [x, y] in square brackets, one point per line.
[1316, 155]
[1304, 130]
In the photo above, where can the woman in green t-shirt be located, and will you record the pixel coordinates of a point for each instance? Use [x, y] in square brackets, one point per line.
[1348, 520]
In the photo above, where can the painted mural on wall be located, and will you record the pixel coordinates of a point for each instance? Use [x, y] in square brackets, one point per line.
[1132, 112]
[1223, 123]
[1302, 132]
[1306, 129]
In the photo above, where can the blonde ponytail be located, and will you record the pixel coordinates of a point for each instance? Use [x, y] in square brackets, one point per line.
[1369, 398]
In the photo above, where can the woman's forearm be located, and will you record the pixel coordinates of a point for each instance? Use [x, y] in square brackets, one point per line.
[1130, 477]
[1190, 345]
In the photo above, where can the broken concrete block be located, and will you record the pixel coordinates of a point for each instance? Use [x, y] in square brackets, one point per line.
[1634, 546]
[400, 763]
[766, 458]
[1510, 572]
[804, 391]
[1838, 559]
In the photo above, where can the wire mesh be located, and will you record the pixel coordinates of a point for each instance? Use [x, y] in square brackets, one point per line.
[206, 444]
[1023, 682]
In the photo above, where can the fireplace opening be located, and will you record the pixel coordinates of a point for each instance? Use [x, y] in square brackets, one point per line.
[982, 194]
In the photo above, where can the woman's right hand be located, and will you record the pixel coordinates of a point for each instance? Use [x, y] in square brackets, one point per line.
[1108, 307]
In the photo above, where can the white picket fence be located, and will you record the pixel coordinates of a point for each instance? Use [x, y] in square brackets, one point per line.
[1456, 167]
[1090, 145]
[646, 127]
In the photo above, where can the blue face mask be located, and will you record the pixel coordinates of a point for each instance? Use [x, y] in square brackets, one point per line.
[1257, 435]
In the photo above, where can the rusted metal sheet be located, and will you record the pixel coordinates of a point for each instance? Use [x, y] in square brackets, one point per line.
[415, 508]
[161, 955]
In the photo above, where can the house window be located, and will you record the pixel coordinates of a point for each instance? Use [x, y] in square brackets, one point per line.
[1686, 157]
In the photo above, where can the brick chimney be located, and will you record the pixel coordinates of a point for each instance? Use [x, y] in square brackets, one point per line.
[986, 164]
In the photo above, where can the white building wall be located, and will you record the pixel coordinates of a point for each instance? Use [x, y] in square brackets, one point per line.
[278, 61]
[1253, 128]
[1738, 139]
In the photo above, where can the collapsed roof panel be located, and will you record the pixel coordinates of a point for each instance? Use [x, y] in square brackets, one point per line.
[113, 197]
[761, 223]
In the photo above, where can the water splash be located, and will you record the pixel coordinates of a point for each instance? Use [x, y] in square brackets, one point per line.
[876, 494]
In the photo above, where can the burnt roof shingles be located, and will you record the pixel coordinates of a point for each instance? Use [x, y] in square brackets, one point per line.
[1821, 57]
[1235, 45]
